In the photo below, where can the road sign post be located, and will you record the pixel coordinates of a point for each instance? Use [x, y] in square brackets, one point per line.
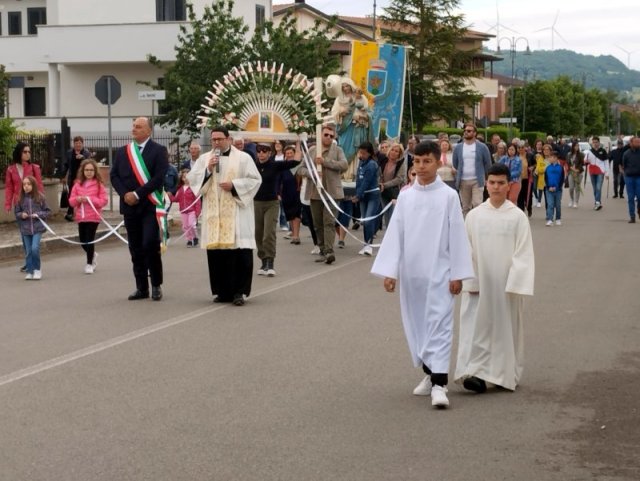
[152, 95]
[108, 91]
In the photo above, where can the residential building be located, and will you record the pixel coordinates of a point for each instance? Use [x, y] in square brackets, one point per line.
[56, 50]
[363, 29]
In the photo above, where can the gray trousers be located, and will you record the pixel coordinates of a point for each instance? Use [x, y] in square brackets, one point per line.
[266, 215]
[324, 225]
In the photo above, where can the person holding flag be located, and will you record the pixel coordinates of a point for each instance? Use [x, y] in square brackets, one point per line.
[137, 175]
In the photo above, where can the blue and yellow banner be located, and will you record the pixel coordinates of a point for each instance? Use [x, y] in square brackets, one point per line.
[379, 70]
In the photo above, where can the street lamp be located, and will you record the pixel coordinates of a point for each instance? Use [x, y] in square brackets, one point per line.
[513, 43]
[525, 73]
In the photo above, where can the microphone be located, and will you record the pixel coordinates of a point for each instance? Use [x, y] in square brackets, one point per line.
[217, 153]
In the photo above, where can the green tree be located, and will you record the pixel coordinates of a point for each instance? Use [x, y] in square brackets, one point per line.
[438, 71]
[206, 50]
[306, 52]
[4, 80]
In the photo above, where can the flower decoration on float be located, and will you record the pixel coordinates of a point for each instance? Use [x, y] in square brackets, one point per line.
[262, 87]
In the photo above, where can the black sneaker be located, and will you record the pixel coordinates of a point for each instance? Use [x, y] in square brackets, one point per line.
[23, 268]
[68, 218]
[189, 243]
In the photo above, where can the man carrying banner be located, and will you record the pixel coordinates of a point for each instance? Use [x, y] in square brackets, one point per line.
[137, 175]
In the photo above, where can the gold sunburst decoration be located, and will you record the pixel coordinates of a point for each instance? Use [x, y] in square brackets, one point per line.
[262, 99]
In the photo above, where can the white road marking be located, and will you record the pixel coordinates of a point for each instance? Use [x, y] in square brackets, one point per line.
[131, 336]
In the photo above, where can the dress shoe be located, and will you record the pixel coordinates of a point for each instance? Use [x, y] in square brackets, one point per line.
[475, 384]
[138, 294]
[156, 293]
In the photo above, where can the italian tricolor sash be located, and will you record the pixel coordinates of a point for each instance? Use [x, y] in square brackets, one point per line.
[156, 197]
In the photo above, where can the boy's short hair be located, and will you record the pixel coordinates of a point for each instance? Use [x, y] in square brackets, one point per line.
[499, 169]
[427, 147]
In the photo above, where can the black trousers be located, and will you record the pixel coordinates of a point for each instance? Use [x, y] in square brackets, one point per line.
[143, 235]
[230, 272]
[437, 379]
[87, 233]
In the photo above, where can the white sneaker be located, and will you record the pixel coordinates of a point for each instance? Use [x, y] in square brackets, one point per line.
[424, 388]
[362, 251]
[439, 397]
[368, 250]
[94, 264]
[262, 272]
[570, 204]
[315, 250]
[271, 272]
[575, 205]
[28, 277]
[558, 222]
[549, 223]
[88, 269]
[37, 275]
[538, 204]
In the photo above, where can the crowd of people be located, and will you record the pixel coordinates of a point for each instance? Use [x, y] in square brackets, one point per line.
[455, 222]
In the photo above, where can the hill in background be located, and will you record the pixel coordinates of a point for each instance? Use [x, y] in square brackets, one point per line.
[604, 72]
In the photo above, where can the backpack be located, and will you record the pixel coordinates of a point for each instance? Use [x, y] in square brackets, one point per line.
[171, 179]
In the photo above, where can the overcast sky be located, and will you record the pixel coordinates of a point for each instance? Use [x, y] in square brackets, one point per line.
[607, 28]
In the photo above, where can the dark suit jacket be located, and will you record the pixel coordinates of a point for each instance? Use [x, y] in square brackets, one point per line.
[123, 179]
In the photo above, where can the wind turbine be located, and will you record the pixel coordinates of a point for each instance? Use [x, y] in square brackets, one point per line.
[628, 55]
[496, 26]
[553, 31]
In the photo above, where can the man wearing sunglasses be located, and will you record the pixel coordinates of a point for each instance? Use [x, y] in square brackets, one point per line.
[330, 163]
[471, 159]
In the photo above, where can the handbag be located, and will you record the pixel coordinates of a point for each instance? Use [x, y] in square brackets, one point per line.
[64, 197]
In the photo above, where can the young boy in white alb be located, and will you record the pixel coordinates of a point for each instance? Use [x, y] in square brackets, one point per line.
[425, 249]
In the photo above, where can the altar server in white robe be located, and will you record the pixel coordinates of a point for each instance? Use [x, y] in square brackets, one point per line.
[227, 179]
[490, 349]
[426, 252]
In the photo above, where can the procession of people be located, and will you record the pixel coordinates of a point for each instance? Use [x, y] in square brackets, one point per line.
[448, 221]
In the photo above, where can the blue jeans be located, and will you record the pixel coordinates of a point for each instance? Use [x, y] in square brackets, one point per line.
[370, 206]
[633, 193]
[32, 248]
[596, 183]
[347, 206]
[554, 201]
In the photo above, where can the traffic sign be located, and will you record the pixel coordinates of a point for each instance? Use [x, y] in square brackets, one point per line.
[152, 95]
[507, 120]
[108, 84]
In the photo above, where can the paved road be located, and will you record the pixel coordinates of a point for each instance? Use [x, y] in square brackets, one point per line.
[311, 380]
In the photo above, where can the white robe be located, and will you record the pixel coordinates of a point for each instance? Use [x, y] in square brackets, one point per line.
[491, 344]
[425, 247]
[246, 181]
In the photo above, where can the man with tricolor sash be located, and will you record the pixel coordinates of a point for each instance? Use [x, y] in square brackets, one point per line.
[137, 175]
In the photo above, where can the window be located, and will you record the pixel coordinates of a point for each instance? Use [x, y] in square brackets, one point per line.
[171, 10]
[260, 16]
[15, 23]
[34, 102]
[35, 16]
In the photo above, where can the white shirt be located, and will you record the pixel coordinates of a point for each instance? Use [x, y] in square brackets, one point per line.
[469, 161]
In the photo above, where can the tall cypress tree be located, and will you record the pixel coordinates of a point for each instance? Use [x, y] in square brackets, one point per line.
[439, 71]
